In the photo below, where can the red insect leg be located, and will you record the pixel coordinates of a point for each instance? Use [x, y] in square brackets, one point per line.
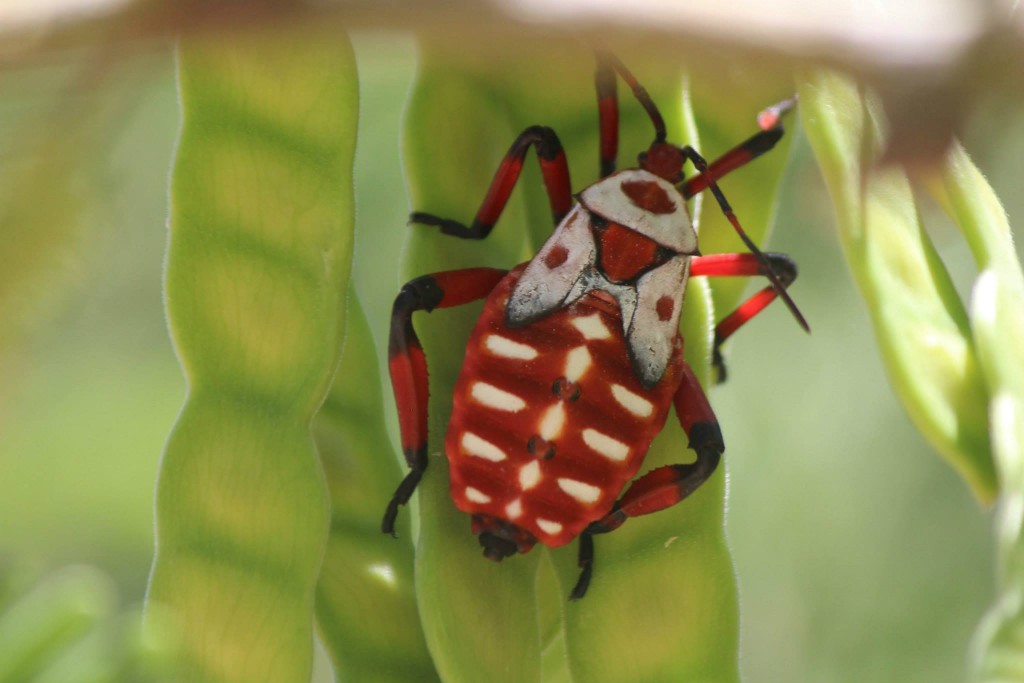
[738, 156]
[665, 486]
[553, 167]
[702, 166]
[408, 365]
[719, 265]
[770, 122]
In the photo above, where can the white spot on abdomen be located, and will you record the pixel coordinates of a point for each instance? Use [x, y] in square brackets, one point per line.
[634, 403]
[493, 397]
[549, 527]
[529, 475]
[577, 363]
[474, 445]
[506, 348]
[584, 493]
[514, 509]
[591, 327]
[613, 449]
[476, 495]
[552, 422]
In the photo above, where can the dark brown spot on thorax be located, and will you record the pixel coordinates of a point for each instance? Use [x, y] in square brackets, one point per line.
[649, 196]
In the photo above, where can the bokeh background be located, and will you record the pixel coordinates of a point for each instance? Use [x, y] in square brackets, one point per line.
[860, 555]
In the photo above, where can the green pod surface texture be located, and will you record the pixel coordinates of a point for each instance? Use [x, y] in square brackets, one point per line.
[257, 271]
[366, 603]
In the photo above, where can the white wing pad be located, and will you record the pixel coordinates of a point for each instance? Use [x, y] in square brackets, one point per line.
[548, 283]
[652, 331]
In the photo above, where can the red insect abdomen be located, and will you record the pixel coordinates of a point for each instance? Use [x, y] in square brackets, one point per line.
[549, 420]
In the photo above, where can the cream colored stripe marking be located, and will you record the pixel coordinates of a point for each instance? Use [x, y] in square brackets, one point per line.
[613, 449]
[552, 422]
[584, 493]
[506, 348]
[591, 327]
[499, 399]
[514, 510]
[577, 362]
[549, 527]
[476, 495]
[634, 403]
[529, 475]
[474, 445]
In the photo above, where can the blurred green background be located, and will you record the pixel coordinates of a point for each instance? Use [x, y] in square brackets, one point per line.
[860, 555]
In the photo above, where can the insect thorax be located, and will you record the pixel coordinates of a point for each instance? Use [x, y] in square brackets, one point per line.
[630, 210]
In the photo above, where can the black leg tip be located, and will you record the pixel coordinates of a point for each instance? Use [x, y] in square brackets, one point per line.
[585, 562]
[582, 584]
[387, 524]
[424, 218]
[718, 363]
[447, 226]
[401, 497]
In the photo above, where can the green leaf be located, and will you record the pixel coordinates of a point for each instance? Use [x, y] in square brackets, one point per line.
[366, 603]
[52, 186]
[118, 650]
[64, 629]
[920, 323]
[663, 602]
[37, 627]
[997, 326]
[258, 264]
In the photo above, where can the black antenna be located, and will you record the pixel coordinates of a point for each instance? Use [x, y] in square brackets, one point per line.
[702, 166]
[639, 92]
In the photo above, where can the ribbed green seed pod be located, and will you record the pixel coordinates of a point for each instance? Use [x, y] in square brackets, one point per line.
[259, 258]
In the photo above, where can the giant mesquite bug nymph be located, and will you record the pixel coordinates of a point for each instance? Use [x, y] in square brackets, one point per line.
[573, 364]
